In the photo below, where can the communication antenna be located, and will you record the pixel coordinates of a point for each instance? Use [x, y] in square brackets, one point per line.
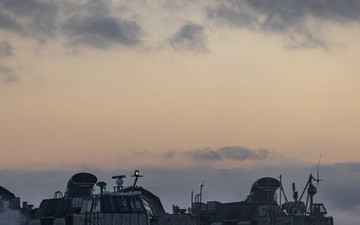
[119, 182]
[318, 171]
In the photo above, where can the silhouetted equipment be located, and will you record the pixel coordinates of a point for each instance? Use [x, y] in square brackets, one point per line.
[80, 206]
[8, 200]
[135, 205]
[151, 201]
[263, 190]
[136, 175]
[259, 208]
[10, 210]
[119, 182]
[80, 185]
[102, 186]
[5, 194]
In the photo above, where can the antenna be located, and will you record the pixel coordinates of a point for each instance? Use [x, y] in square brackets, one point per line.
[119, 182]
[318, 171]
[136, 175]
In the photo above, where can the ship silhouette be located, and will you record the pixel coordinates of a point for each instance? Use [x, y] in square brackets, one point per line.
[134, 205]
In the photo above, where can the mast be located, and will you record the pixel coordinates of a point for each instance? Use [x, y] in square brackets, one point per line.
[312, 190]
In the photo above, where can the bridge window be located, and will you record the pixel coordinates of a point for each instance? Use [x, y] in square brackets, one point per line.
[115, 204]
[319, 208]
[122, 204]
[136, 204]
[86, 205]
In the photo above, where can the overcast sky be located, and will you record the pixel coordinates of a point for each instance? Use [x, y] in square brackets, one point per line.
[192, 87]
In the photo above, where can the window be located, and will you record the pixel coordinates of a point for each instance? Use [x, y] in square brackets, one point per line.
[86, 205]
[124, 205]
[110, 204]
[136, 204]
[96, 205]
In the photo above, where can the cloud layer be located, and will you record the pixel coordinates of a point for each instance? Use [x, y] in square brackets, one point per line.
[230, 153]
[5, 49]
[95, 26]
[190, 37]
[300, 22]
[108, 25]
[100, 24]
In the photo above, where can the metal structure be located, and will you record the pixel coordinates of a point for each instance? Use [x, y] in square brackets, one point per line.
[135, 205]
[10, 209]
[80, 206]
[259, 208]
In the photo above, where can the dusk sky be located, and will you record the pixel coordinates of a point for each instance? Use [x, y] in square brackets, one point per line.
[261, 86]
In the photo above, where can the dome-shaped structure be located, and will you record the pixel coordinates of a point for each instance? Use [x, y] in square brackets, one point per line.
[263, 190]
[81, 184]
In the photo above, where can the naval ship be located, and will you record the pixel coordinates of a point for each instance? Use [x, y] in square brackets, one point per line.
[134, 205]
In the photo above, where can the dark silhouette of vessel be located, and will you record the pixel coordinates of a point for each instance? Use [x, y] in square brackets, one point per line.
[135, 205]
[11, 213]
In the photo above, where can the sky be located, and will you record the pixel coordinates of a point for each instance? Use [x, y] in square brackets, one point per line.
[194, 88]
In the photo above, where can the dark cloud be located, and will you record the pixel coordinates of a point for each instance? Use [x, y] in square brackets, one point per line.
[298, 21]
[205, 154]
[84, 24]
[242, 153]
[102, 32]
[233, 13]
[341, 184]
[169, 154]
[232, 152]
[190, 37]
[100, 24]
[7, 75]
[7, 22]
[35, 18]
[292, 11]
[93, 25]
[5, 50]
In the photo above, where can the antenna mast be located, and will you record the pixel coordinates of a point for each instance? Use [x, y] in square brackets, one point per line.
[318, 169]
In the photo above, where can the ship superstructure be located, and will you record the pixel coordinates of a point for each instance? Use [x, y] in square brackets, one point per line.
[134, 205]
[259, 208]
[80, 206]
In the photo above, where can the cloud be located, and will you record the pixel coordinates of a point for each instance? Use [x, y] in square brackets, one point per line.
[190, 37]
[232, 153]
[102, 32]
[33, 17]
[292, 11]
[7, 22]
[242, 153]
[300, 22]
[86, 24]
[169, 154]
[103, 24]
[233, 13]
[341, 184]
[93, 25]
[7, 75]
[204, 154]
[5, 50]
